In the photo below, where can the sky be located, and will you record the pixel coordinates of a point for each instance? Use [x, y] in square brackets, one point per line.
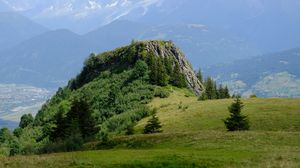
[68, 13]
[77, 9]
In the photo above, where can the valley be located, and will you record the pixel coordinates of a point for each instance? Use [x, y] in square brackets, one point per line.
[16, 100]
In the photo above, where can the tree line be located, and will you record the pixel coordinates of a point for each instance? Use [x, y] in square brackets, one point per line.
[212, 90]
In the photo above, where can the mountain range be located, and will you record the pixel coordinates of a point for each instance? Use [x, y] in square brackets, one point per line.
[270, 75]
[15, 28]
[40, 60]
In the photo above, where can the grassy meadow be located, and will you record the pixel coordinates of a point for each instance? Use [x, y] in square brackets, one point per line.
[193, 136]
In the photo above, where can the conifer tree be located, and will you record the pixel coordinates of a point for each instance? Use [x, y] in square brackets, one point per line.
[80, 119]
[162, 76]
[168, 64]
[236, 121]
[210, 88]
[178, 78]
[152, 126]
[200, 76]
[226, 93]
[153, 69]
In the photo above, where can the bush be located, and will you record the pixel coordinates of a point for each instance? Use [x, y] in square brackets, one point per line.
[161, 92]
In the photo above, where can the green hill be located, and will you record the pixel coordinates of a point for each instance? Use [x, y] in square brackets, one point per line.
[103, 111]
[194, 136]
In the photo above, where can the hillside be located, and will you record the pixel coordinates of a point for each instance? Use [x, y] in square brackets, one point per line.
[195, 137]
[108, 97]
[270, 75]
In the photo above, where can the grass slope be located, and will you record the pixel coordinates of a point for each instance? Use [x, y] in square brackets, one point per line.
[194, 136]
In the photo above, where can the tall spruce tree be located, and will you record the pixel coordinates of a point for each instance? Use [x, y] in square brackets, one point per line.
[236, 121]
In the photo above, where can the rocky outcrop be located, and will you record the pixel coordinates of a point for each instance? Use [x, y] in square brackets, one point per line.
[167, 48]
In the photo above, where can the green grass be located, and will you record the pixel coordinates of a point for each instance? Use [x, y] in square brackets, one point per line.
[194, 136]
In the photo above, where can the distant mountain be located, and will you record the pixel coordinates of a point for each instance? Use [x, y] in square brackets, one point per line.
[271, 75]
[8, 124]
[115, 34]
[45, 60]
[15, 28]
[49, 59]
[204, 45]
[268, 25]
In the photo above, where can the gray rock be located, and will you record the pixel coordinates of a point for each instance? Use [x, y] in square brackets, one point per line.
[168, 48]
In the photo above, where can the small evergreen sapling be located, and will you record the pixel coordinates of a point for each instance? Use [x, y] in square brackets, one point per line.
[152, 126]
[236, 121]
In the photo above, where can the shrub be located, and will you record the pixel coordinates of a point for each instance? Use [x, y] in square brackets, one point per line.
[161, 92]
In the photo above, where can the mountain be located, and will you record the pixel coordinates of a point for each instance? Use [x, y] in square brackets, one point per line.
[203, 45]
[271, 75]
[111, 93]
[15, 28]
[39, 61]
[80, 16]
[46, 60]
[268, 25]
[115, 34]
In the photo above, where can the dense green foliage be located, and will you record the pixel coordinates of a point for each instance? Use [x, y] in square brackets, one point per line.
[26, 120]
[236, 121]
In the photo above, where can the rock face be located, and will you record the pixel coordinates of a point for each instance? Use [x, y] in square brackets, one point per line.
[167, 48]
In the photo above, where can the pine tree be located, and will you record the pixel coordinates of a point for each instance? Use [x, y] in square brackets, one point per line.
[215, 91]
[80, 119]
[152, 126]
[236, 121]
[178, 78]
[226, 93]
[162, 76]
[200, 76]
[59, 132]
[168, 64]
[210, 88]
[153, 69]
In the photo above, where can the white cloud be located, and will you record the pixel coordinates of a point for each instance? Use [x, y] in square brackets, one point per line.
[113, 4]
